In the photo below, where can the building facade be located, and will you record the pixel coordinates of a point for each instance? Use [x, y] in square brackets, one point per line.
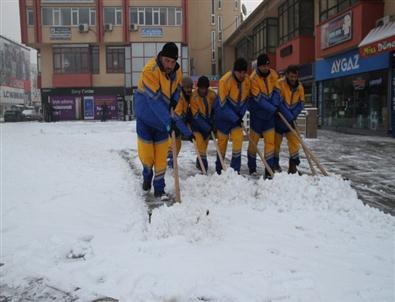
[91, 52]
[349, 80]
[15, 84]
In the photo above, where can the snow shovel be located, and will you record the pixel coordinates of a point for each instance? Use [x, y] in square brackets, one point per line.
[175, 164]
[306, 153]
[221, 159]
[260, 154]
[309, 153]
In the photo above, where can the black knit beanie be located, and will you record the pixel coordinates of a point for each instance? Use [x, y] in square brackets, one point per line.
[263, 59]
[170, 50]
[203, 81]
[240, 65]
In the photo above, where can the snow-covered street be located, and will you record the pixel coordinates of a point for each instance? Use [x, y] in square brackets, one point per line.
[74, 226]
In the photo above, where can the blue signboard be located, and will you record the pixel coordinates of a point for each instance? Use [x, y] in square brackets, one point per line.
[89, 108]
[349, 63]
[151, 32]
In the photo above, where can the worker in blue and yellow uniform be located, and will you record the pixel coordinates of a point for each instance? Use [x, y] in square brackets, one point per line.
[229, 108]
[182, 118]
[202, 104]
[158, 91]
[291, 104]
[263, 103]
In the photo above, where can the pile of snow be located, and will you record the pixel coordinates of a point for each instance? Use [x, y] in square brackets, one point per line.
[74, 225]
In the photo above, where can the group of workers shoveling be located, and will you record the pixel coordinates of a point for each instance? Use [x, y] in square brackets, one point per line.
[167, 108]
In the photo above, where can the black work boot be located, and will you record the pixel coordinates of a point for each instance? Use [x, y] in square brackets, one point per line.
[146, 185]
[292, 167]
[267, 174]
[162, 195]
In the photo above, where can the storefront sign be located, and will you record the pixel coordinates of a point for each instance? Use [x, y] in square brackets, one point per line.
[151, 32]
[10, 95]
[89, 108]
[378, 47]
[63, 107]
[348, 64]
[60, 33]
[336, 31]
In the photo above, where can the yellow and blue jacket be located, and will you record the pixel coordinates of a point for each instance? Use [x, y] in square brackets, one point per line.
[231, 102]
[202, 112]
[156, 93]
[182, 115]
[265, 95]
[292, 99]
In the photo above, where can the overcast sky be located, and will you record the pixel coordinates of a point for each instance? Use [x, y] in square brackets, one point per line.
[9, 17]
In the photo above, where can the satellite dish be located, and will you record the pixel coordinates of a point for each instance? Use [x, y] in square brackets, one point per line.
[244, 9]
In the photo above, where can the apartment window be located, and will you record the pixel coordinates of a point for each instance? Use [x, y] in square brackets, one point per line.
[92, 17]
[163, 16]
[265, 36]
[115, 58]
[220, 27]
[296, 17]
[68, 16]
[171, 16]
[213, 69]
[213, 46]
[71, 59]
[113, 15]
[219, 4]
[56, 17]
[178, 16]
[155, 13]
[133, 16]
[236, 3]
[141, 16]
[212, 12]
[244, 49]
[95, 59]
[30, 17]
[148, 16]
[329, 8]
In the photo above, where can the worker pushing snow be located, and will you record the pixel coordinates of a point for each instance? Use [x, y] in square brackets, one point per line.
[158, 91]
[291, 104]
[263, 105]
[182, 118]
[202, 104]
[230, 107]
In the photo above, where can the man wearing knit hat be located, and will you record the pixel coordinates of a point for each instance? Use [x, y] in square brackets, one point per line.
[158, 91]
[202, 103]
[230, 107]
[263, 103]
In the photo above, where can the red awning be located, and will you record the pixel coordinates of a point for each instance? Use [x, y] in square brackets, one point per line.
[380, 39]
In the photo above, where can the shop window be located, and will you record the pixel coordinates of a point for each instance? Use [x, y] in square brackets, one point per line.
[113, 15]
[71, 59]
[30, 17]
[295, 17]
[115, 58]
[358, 101]
[329, 8]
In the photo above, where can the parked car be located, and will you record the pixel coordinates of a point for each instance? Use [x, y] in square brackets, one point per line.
[31, 115]
[13, 115]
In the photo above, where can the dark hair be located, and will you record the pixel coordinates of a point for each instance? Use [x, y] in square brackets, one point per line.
[292, 69]
[240, 65]
[263, 59]
[203, 82]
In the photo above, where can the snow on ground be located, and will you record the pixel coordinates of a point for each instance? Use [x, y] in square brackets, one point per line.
[74, 227]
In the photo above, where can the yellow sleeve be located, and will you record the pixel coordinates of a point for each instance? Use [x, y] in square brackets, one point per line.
[180, 108]
[302, 93]
[223, 91]
[255, 90]
[151, 79]
[194, 105]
